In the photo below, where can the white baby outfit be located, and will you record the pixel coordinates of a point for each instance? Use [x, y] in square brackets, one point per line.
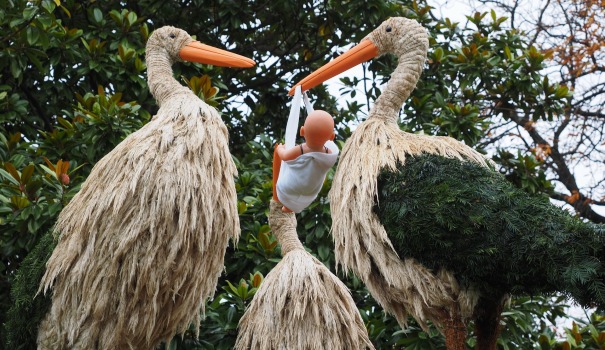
[301, 179]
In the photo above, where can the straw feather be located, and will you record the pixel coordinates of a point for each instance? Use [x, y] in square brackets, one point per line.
[141, 246]
[405, 286]
[300, 304]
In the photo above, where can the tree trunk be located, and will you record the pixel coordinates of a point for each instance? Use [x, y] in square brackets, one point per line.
[455, 330]
[487, 322]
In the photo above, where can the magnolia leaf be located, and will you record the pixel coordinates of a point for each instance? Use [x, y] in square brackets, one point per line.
[11, 169]
[27, 173]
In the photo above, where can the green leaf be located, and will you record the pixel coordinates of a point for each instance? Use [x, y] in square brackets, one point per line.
[242, 289]
[19, 202]
[15, 69]
[241, 207]
[438, 54]
[508, 54]
[48, 171]
[117, 18]
[32, 56]
[132, 18]
[49, 6]
[439, 99]
[9, 177]
[232, 288]
[29, 12]
[494, 61]
[65, 10]
[562, 92]
[323, 251]
[16, 22]
[33, 226]
[32, 34]
[85, 44]
[98, 15]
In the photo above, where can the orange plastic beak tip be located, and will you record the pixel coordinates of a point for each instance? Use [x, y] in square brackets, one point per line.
[202, 53]
[359, 53]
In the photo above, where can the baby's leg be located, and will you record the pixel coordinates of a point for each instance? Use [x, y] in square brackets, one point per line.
[276, 169]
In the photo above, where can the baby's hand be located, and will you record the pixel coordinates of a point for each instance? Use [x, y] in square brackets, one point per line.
[280, 149]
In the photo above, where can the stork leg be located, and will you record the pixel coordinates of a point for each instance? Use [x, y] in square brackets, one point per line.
[454, 330]
[487, 322]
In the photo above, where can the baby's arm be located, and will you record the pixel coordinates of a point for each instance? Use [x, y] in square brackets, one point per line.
[288, 154]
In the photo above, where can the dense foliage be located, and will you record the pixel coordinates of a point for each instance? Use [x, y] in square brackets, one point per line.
[506, 240]
[24, 317]
[73, 86]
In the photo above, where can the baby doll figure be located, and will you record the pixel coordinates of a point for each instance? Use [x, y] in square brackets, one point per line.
[298, 182]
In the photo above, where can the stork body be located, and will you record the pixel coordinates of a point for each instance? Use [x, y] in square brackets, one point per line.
[141, 246]
[372, 226]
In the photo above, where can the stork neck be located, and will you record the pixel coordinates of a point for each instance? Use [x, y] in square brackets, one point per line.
[160, 77]
[400, 86]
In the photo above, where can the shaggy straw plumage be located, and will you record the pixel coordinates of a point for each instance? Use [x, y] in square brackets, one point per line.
[402, 287]
[142, 244]
[301, 305]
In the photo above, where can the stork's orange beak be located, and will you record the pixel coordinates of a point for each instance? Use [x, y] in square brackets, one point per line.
[359, 53]
[201, 53]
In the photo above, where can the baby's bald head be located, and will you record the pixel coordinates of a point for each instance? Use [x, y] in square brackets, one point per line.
[318, 128]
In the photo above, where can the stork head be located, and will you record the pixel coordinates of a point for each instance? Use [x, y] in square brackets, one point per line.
[177, 45]
[396, 35]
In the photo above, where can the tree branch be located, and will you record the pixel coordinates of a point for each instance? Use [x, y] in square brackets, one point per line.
[578, 200]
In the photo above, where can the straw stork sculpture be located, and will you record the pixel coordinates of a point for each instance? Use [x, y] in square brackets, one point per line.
[141, 246]
[428, 224]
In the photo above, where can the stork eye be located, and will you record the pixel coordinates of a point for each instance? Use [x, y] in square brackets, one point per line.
[388, 29]
[172, 36]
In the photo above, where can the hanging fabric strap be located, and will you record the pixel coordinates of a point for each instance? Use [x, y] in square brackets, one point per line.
[293, 118]
[292, 125]
[308, 104]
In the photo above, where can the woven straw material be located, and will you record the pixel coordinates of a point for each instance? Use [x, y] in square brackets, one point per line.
[141, 246]
[402, 287]
[300, 304]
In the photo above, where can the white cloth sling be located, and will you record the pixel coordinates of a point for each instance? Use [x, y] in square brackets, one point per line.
[301, 179]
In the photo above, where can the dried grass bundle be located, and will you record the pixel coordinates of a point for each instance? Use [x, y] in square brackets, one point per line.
[301, 304]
